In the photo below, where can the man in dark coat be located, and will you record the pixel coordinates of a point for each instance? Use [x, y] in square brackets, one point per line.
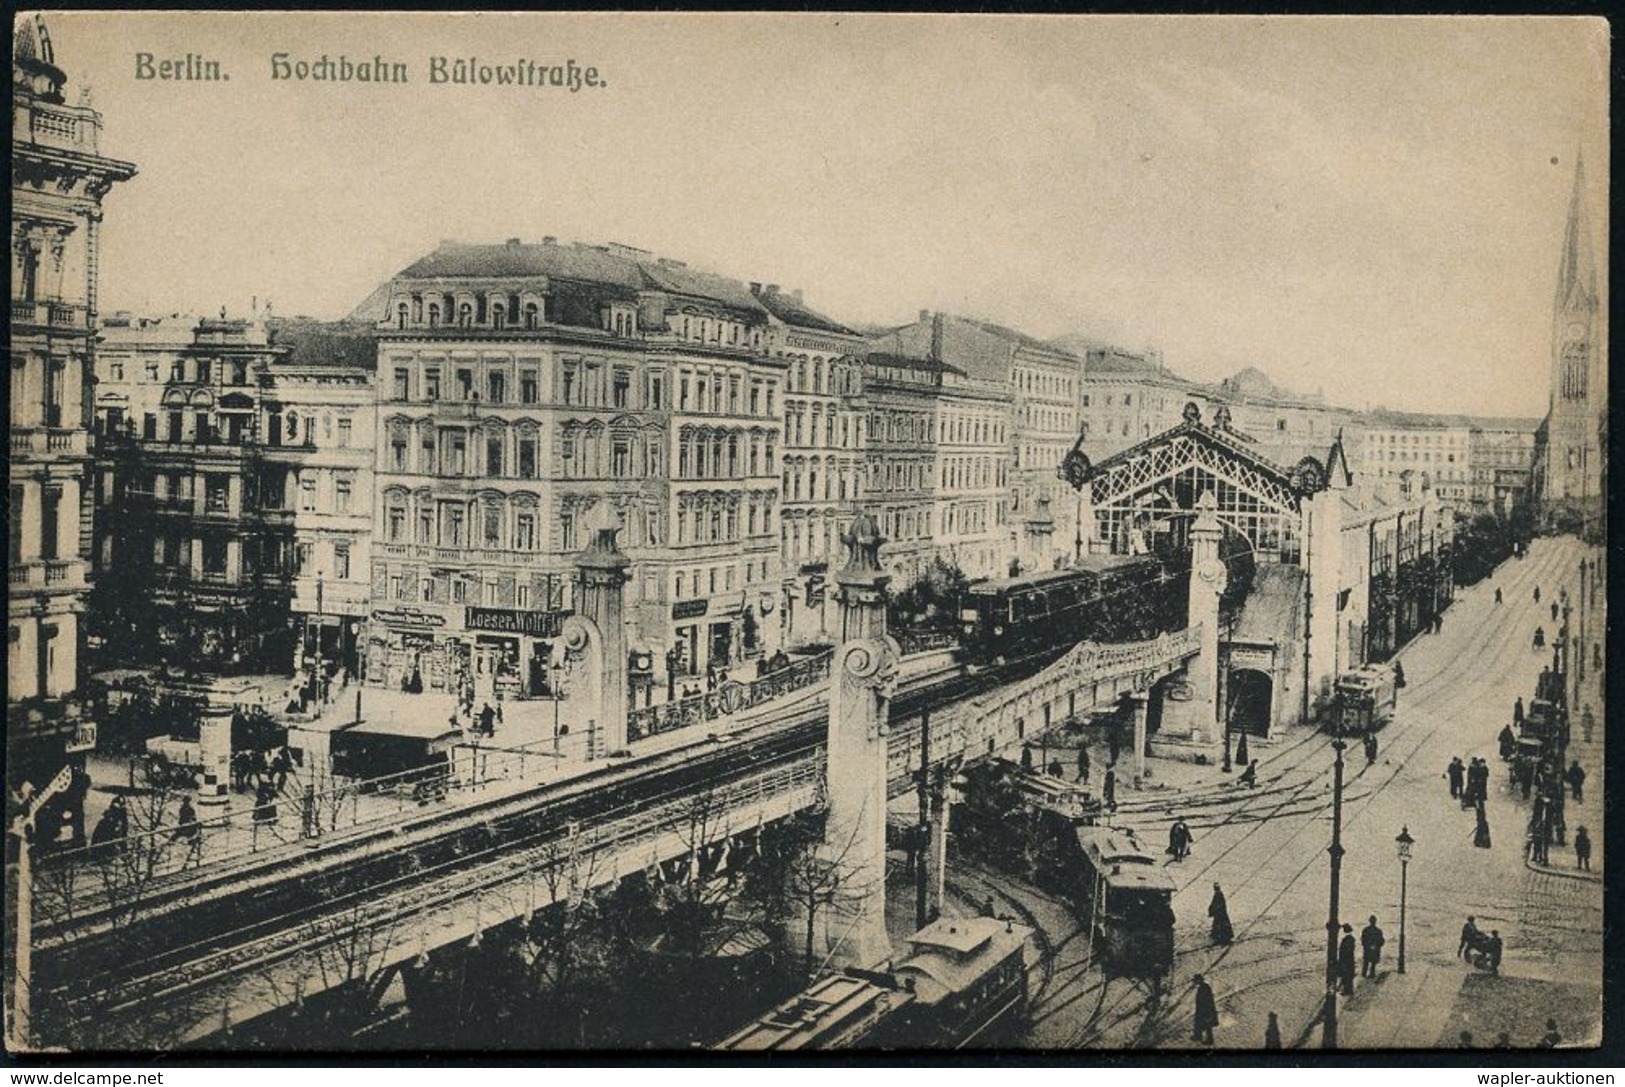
[1083, 762]
[1371, 941]
[1345, 961]
[1108, 792]
[1219, 910]
[1577, 779]
[1469, 934]
[1508, 741]
[1456, 772]
[1207, 1013]
[1582, 849]
[1481, 833]
[1517, 710]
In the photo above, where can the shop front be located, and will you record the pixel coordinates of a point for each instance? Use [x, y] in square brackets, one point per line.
[512, 650]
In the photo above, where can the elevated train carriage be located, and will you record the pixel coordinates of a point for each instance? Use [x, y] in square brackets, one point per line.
[962, 984]
[1126, 897]
[1106, 598]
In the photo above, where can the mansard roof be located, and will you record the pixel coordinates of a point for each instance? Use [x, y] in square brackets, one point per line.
[796, 313]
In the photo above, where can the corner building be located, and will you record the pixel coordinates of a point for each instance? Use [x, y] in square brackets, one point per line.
[519, 387]
[59, 179]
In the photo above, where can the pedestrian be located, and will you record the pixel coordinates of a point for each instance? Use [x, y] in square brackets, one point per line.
[1455, 772]
[1219, 910]
[1526, 776]
[1554, 611]
[1083, 763]
[1249, 776]
[988, 908]
[1399, 675]
[1517, 710]
[1176, 840]
[1345, 960]
[190, 831]
[1587, 722]
[1481, 833]
[106, 832]
[1438, 622]
[1507, 742]
[1497, 595]
[265, 803]
[1112, 743]
[1469, 936]
[487, 720]
[1109, 789]
[1540, 637]
[281, 767]
[1537, 594]
[1272, 1032]
[1370, 748]
[1582, 849]
[710, 677]
[1055, 770]
[1207, 1013]
[1371, 941]
[1552, 1038]
[1577, 779]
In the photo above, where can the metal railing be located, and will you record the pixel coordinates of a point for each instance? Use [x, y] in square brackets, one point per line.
[926, 641]
[729, 698]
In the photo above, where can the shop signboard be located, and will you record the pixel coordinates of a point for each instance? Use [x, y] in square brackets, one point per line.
[536, 624]
[690, 609]
[409, 617]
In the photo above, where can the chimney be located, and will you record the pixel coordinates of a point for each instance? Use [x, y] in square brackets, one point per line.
[550, 240]
[925, 315]
[936, 336]
[796, 294]
[756, 288]
[513, 242]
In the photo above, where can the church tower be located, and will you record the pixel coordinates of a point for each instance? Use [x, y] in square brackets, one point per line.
[1571, 483]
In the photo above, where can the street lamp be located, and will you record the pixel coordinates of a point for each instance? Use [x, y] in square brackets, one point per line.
[1328, 1037]
[1404, 841]
[555, 669]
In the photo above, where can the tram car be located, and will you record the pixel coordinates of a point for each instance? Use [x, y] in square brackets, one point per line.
[386, 761]
[1105, 598]
[1543, 724]
[1363, 700]
[1022, 821]
[963, 984]
[1126, 898]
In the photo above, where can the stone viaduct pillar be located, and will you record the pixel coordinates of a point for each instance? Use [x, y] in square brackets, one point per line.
[598, 630]
[854, 848]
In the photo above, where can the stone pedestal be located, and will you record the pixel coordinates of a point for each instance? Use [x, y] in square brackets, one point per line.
[1137, 709]
[601, 576]
[214, 748]
[853, 924]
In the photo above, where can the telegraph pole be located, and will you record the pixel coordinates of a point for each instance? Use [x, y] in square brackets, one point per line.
[922, 833]
[1328, 1037]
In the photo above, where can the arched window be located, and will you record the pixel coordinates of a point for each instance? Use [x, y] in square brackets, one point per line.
[434, 315]
[499, 315]
[400, 315]
[530, 315]
[465, 315]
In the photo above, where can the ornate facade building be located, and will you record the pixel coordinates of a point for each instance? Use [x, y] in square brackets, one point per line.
[1571, 453]
[59, 180]
[900, 440]
[522, 385]
[824, 416]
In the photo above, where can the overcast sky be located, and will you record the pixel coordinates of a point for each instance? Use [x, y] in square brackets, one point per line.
[1369, 207]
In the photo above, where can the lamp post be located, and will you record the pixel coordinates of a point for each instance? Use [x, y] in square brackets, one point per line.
[1328, 1037]
[554, 670]
[1404, 841]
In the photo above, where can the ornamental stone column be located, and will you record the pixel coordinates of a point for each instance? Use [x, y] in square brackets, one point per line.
[863, 672]
[1137, 702]
[1207, 582]
[599, 637]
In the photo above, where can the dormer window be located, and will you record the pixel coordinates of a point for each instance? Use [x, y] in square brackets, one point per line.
[531, 315]
[400, 315]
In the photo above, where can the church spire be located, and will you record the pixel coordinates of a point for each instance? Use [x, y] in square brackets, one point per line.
[1577, 272]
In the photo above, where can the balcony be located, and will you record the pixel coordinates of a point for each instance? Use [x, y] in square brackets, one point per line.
[46, 314]
[52, 575]
[49, 442]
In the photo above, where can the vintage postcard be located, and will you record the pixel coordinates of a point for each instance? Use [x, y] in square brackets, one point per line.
[544, 532]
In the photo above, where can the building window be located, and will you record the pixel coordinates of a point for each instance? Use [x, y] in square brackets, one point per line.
[425, 527]
[344, 433]
[621, 458]
[341, 495]
[307, 494]
[621, 388]
[397, 452]
[453, 536]
[341, 561]
[431, 383]
[395, 519]
[527, 386]
[493, 526]
[304, 556]
[657, 392]
[402, 382]
[524, 535]
[493, 456]
[527, 458]
[496, 387]
[217, 493]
